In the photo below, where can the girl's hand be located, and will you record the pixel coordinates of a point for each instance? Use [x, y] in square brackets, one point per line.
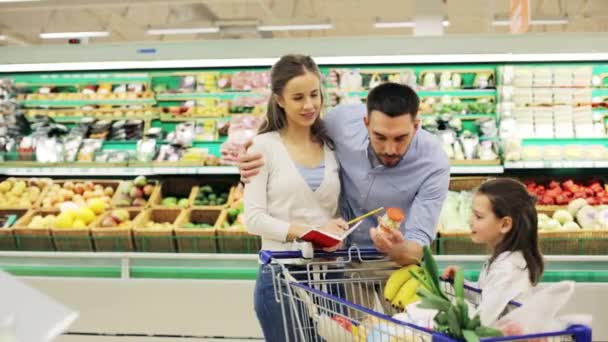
[449, 272]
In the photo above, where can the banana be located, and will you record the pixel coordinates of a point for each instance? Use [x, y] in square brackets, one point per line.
[406, 294]
[396, 280]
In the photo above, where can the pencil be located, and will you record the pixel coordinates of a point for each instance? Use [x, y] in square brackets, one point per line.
[365, 215]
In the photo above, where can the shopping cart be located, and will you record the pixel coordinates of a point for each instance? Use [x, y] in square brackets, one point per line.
[334, 297]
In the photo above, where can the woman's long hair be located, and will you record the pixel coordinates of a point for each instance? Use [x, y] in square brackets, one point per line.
[287, 68]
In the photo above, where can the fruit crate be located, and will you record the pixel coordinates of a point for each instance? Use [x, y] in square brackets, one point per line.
[218, 188]
[235, 240]
[458, 243]
[77, 191]
[42, 184]
[118, 197]
[114, 239]
[33, 238]
[574, 242]
[197, 240]
[175, 189]
[73, 239]
[157, 239]
[468, 183]
[7, 238]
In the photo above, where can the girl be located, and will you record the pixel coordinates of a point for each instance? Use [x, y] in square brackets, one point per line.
[298, 186]
[504, 219]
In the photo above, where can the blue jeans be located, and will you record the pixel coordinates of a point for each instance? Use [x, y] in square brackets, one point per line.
[268, 310]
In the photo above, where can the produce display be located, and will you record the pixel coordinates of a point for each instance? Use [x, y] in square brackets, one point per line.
[209, 196]
[556, 193]
[22, 193]
[80, 193]
[198, 225]
[134, 193]
[119, 218]
[578, 215]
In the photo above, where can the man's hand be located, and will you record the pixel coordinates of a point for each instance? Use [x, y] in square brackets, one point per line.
[386, 239]
[392, 243]
[249, 163]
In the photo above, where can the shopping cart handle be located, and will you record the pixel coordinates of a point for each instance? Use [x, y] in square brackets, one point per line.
[267, 256]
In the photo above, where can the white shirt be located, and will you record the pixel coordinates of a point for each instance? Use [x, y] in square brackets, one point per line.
[279, 197]
[507, 279]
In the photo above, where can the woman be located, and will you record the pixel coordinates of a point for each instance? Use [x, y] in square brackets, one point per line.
[298, 186]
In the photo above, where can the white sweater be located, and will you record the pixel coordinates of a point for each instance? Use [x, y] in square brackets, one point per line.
[279, 196]
[507, 279]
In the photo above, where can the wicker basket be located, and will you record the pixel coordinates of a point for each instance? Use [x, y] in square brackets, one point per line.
[129, 207]
[224, 187]
[235, 240]
[155, 239]
[33, 239]
[197, 240]
[458, 243]
[170, 189]
[466, 183]
[7, 239]
[574, 242]
[114, 239]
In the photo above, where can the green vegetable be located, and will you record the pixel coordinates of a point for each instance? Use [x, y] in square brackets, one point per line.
[453, 315]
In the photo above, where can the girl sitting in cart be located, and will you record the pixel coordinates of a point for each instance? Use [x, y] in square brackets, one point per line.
[504, 219]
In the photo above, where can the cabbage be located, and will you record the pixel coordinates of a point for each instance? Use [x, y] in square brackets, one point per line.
[601, 218]
[576, 205]
[543, 218]
[563, 216]
[571, 226]
[586, 217]
[550, 224]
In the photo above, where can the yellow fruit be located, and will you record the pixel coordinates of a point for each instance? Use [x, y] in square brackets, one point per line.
[79, 224]
[406, 294]
[86, 215]
[97, 205]
[397, 279]
[5, 186]
[64, 220]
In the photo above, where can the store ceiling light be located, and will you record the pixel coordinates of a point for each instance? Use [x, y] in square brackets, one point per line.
[194, 30]
[404, 24]
[2, 37]
[295, 27]
[61, 35]
[533, 22]
[395, 24]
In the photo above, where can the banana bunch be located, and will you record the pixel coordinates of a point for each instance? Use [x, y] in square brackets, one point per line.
[400, 289]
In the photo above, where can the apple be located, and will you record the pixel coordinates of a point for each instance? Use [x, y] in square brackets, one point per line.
[136, 192]
[140, 181]
[139, 202]
[148, 189]
[109, 222]
[89, 186]
[79, 188]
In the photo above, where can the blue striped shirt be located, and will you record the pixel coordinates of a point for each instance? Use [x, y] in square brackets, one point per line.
[312, 175]
[418, 184]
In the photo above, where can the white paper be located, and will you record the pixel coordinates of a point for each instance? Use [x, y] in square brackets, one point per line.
[34, 316]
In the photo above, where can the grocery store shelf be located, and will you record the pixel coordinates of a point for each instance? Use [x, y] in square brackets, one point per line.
[118, 171]
[583, 164]
[80, 79]
[476, 169]
[80, 103]
[462, 93]
[196, 96]
[462, 116]
[235, 266]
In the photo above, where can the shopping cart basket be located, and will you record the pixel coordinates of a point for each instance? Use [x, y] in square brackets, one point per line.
[334, 297]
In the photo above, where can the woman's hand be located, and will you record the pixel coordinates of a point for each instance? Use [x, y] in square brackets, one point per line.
[335, 227]
[449, 272]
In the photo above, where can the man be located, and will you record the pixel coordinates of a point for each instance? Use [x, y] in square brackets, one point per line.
[386, 160]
